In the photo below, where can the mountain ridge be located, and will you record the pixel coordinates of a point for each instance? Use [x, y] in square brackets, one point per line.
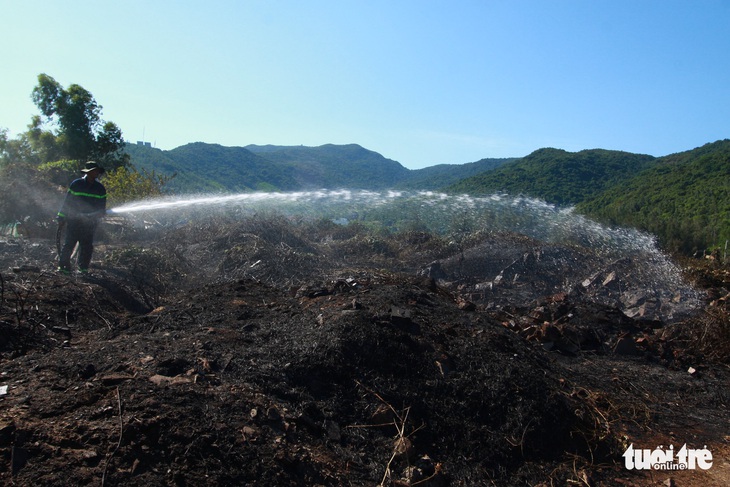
[201, 167]
[609, 185]
[559, 176]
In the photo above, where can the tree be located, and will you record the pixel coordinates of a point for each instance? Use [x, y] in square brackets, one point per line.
[109, 149]
[128, 184]
[77, 133]
[44, 146]
[13, 150]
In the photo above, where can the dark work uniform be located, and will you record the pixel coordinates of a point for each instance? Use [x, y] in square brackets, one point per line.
[84, 205]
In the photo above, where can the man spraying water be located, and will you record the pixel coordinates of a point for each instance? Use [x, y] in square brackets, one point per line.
[83, 207]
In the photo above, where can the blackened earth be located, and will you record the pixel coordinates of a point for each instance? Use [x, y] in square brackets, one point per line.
[263, 354]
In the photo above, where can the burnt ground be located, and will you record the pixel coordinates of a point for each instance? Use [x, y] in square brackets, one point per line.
[261, 353]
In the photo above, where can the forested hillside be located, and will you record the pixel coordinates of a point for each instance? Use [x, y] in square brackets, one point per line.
[684, 199]
[558, 176]
[201, 167]
[335, 166]
[443, 175]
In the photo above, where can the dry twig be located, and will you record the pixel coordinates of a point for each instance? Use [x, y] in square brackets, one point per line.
[119, 443]
[400, 425]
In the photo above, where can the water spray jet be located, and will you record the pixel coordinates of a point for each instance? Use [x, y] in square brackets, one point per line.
[455, 215]
[437, 212]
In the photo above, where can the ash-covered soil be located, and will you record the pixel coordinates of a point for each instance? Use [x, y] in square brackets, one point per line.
[272, 352]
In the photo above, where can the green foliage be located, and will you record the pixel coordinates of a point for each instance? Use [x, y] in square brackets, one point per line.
[684, 200]
[109, 148]
[444, 175]
[13, 150]
[211, 168]
[264, 186]
[126, 183]
[77, 131]
[44, 145]
[61, 172]
[336, 166]
[231, 168]
[558, 176]
[204, 167]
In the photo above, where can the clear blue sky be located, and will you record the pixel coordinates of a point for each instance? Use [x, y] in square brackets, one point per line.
[422, 82]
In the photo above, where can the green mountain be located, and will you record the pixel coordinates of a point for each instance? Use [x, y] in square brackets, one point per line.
[232, 168]
[201, 167]
[334, 166]
[443, 175]
[558, 176]
[682, 198]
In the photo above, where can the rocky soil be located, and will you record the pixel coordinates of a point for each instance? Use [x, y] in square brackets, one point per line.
[277, 353]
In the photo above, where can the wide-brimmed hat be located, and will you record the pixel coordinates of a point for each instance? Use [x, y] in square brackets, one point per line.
[91, 165]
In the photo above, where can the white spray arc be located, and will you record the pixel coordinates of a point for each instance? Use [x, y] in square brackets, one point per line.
[633, 253]
[240, 199]
[436, 211]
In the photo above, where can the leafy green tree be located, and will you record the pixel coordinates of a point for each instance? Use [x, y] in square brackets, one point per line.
[77, 131]
[13, 150]
[59, 172]
[126, 183]
[109, 149]
[44, 145]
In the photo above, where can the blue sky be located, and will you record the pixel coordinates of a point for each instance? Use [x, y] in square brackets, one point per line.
[421, 82]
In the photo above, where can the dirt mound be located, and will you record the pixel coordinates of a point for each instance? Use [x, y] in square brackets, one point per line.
[271, 357]
[506, 270]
